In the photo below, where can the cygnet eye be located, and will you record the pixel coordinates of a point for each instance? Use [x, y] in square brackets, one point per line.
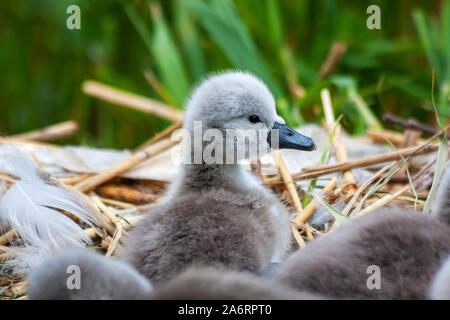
[254, 118]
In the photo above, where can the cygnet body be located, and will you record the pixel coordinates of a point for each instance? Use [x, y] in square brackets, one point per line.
[85, 275]
[104, 278]
[216, 284]
[390, 254]
[440, 287]
[215, 213]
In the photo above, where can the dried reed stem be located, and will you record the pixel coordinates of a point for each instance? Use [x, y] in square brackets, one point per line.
[131, 162]
[54, 132]
[396, 138]
[317, 171]
[102, 217]
[290, 186]
[133, 101]
[115, 240]
[301, 243]
[126, 225]
[19, 288]
[28, 143]
[7, 178]
[163, 134]
[411, 124]
[335, 54]
[91, 232]
[361, 189]
[339, 150]
[104, 209]
[8, 237]
[74, 179]
[309, 210]
[5, 257]
[287, 179]
[383, 201]
[116, 203]
[126, 193]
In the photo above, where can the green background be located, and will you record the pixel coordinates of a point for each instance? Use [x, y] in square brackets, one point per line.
[43, 64]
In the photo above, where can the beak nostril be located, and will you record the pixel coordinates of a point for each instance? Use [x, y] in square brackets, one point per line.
[291, 139]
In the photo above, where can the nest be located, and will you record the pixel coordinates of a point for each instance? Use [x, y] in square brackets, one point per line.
[391, 177]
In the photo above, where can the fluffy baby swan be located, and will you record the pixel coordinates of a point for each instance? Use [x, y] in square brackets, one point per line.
[214, 284]
[103, 278]
[215, 213]
[85, 275]
[401, 248]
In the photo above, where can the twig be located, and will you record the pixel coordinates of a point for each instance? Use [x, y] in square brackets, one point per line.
[115, 203]
[74, 179]
[28, 143]
[301, 243]
[307, 227]
[8, 237]
[286, 176]
[366, 184]
[7, 178]
[309, 210]
[131, 162]
[338, 148]
[126, 193]
[115, 240]
[386, 199]
[380, 136]
[54, 132]
[133, 101]
[317, 171]
[126, 225]
[287, 179]
[335, 54]
[410, 124]
[91, 232]
[138, 209]
[163, 134]
[101, 216]
[104, 209]
[383, 201]
[5, 256]
[409, 139]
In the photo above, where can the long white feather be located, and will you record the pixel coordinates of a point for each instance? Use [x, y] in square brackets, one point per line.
[30, 207]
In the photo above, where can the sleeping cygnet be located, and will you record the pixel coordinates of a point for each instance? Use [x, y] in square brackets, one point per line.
[215, 213]
[207, 283]
[85, 275]
[104, 278]
[390, 254]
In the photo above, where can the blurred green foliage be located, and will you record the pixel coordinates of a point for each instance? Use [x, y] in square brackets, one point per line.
[43, 64]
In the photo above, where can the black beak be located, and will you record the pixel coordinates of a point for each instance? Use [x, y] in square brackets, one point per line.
[288, 138]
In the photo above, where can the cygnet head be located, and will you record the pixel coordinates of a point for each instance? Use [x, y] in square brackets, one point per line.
[239, 105]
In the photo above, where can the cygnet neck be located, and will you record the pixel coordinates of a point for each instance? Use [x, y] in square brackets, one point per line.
[207, 176]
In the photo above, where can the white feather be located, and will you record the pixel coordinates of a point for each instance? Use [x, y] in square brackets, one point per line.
[29, 207]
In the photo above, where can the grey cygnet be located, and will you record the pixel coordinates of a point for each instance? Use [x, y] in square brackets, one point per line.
[404, 246]
[217, 214]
